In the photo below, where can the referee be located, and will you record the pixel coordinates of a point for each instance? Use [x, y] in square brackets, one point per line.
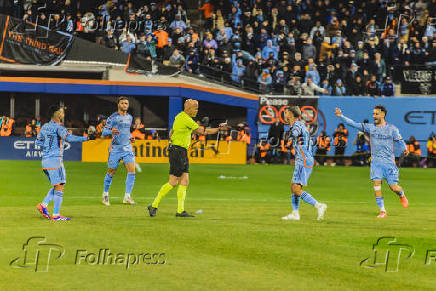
[180, 137]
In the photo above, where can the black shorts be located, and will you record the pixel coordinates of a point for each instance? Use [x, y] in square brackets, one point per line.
[179, 162]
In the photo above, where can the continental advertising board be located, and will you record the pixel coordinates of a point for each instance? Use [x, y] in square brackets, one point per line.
[156, 151]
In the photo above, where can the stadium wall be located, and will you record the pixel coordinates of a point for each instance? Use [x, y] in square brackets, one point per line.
[412, 115]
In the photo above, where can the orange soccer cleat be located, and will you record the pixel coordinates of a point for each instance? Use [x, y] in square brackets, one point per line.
[404, 201]
[382, 215]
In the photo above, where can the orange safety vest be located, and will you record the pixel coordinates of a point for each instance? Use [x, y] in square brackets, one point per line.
[323, 142]
[28, 131]
[137, 134]
[414, 148]
[242, 136]
[431, 146]
[6, 129]
[285, 148]
[344, 136]
[264, 149]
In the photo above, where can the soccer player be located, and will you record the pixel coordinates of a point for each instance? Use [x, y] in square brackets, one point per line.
[180, 138]
[118, 125]
[382, 138]
[52, 138]
[303, 164]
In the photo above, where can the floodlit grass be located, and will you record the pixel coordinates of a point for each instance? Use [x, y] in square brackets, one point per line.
[238, 242]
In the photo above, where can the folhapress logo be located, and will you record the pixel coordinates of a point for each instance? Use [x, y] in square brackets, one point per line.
[38, 254]
[388, 254]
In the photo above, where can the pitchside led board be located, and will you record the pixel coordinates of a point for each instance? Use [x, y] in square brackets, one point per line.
[414, 116]
[272, 108]
[156, 151]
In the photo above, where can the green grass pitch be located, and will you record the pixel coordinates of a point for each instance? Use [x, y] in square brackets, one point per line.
[239, 242]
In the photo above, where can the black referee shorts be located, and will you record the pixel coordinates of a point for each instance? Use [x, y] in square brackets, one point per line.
[179, 162]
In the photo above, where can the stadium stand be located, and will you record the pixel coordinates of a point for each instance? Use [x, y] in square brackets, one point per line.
[344, 47]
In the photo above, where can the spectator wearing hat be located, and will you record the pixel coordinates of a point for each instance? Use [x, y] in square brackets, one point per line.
[162, 40]
[340, 89]
[265, 80]
[192, 62]
[168, 50]
[313, 74]
[178, 23]
[388, 88]
[238, 70]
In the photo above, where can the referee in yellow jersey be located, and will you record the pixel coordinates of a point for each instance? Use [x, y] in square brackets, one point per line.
[180, 136]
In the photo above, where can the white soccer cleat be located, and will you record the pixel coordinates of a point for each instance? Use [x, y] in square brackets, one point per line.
[321, 211]
[105, 200]
[129, 201]
[292, 216]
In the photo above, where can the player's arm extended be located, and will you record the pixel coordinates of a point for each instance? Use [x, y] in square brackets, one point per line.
[106, 131]
[75, 138]
[349, 121]
[205, 131]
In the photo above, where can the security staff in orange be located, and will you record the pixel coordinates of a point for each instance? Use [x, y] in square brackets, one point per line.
[323, 144]
[431, 151]
[180, 138]
[7, 126]
[340, 141]
[414, 148]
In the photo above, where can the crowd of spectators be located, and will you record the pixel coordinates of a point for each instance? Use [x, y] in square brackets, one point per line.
[286, 46]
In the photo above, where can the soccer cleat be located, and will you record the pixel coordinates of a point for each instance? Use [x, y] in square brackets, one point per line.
[184, 214]
[321, 211]
[292, 216]
[129, 201]
[152, 211]
[105, 200]
[43, 210]
[404, 201]
[60, 218]
[382, 215]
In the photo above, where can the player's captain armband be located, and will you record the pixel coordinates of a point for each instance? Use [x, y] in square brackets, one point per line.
[377, 188]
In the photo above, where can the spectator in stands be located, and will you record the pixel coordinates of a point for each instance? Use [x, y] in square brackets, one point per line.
[357, 87]
[388, 88]
[177, 60]
[372, 87]
[127, 46]
[414, 156]
[192, 62]
[238, 71]
[309, 88]
[340, 90]
[265, 80]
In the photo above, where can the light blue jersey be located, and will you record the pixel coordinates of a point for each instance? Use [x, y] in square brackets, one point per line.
[303, 144]
[121, 141]
[52, 138]
[382, 140]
